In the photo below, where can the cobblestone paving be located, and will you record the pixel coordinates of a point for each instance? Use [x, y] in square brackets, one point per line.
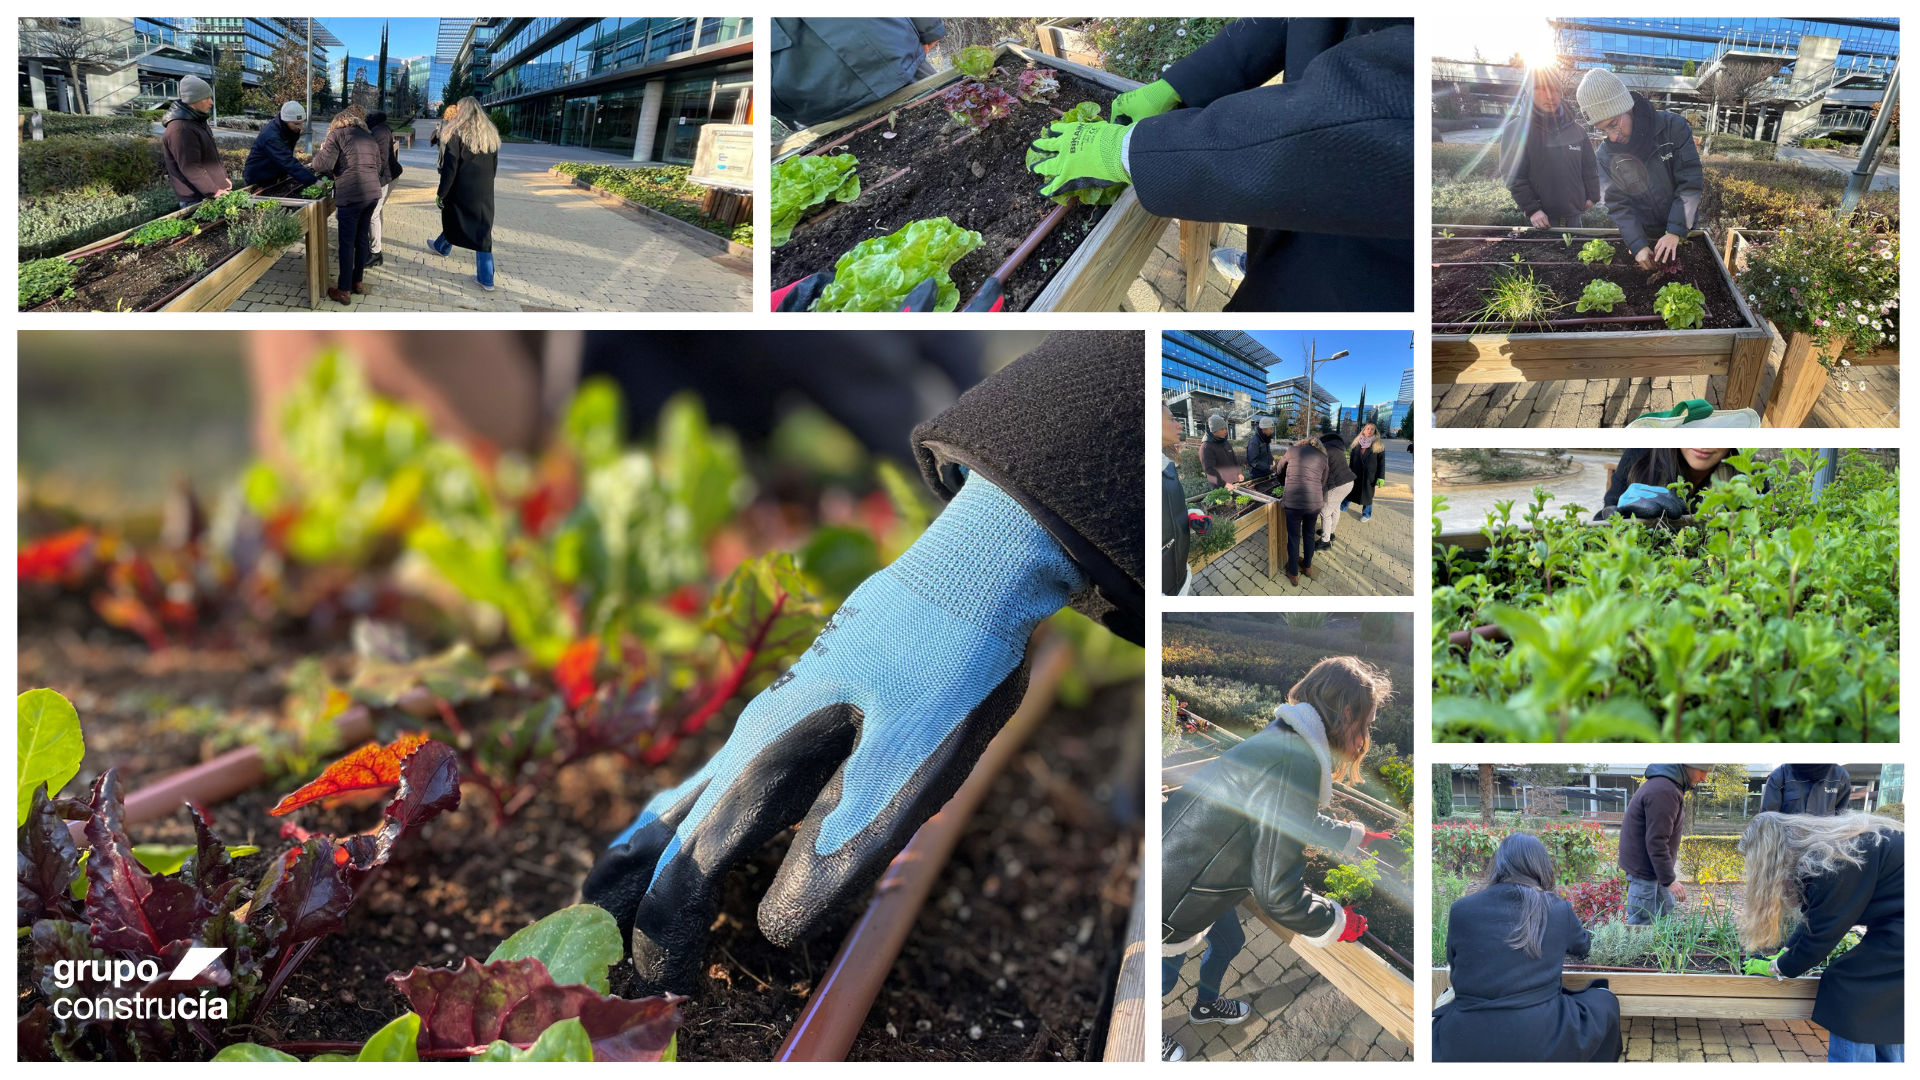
[556, 248]
[1667, 1038]
[1295, 1011]
[1374, 559]
[1162, 284]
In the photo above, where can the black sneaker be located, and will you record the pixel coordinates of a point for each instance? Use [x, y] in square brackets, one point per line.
[1322, 545]
[1220, 1011]
[1171, 1050]
[377, 259]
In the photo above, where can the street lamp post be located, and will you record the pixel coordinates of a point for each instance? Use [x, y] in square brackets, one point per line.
[1313, 363]
[308, 130]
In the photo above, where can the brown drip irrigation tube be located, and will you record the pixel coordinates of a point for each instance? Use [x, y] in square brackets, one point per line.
[1463, 639]
[838, 1007]
[191, 282]
[1041, 232]
[1444, 326]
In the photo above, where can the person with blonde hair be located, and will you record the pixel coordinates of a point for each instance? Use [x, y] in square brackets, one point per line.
[1240, 828]
[469, 157]
[1837, 873]
[354, 158]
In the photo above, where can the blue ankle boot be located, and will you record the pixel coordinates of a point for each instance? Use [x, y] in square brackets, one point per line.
[440, 246]
[483, 269]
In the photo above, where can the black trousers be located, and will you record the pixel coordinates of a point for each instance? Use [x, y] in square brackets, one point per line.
[1303, 528]
[356, 242]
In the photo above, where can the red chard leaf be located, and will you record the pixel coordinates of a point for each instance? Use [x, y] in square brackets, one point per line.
[132, 910]
[516, 1000]
[369, 768]
[49, 864]
[311, 896]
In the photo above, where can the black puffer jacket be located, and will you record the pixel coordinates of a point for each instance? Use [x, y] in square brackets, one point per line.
[1807, 789]
[382, 133]
[1369, 464]
[1174, 531]
[1549, 164]
[1240, 826]
[1338, 470]
[1509, 1006]
[353, 157]
[1259, 455]
[1861, 995]
[1653, 183]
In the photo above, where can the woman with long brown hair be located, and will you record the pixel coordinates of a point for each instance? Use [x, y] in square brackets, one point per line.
[1642, 480]
[469, 157]
[1835, 873]
[1241, 825]
[353, 157]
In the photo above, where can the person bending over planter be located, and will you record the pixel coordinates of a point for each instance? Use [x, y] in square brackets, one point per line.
[188, 151]
[1260, 449]
[1303, 495]
[1240, 828]
[1650, 175]
[1177, 520]
[1340, 480]
[469, 154]
[1368, 460]
[879, 722]
[352, 157]
[1807, 789]
[1506, 946]
[1319, 167]
[272, 157]
[1545, 156]
[1639, 487]
[1217, 459]
[1839, 872]
[1650, 840]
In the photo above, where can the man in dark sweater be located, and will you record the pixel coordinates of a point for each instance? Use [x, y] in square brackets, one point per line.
[1650, 174]
[1260, 449]
[1217, 458]
[1319, 166]
[1650, 840]
[1303, 494]
[1545, 156]
[187, 151]
[1821, 790]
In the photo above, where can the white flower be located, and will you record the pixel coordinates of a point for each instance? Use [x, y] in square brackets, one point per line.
[1164, 67]
[1149, 28]
[1752, 298]
[1863, 384]
[1180, 33]
[1844, 362]
[1803, 279]
[1862, 318]
[1844, 387]
[1856, 303]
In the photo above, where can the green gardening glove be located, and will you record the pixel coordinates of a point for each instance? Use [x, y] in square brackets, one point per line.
[1155, 98]
[1762, 965]
[1078, 157]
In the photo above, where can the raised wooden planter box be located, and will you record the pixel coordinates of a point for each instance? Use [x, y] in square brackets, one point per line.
[1724, 997]
[1356, 971]
[1739, 354]
[1096, 277]
[1063, 39]
[222, 284]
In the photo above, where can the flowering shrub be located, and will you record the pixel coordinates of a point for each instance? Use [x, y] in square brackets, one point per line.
[1596, 902]
[1575, 849]
[1708, 859]
[1142, 49]
[1466, 849]
[1835, 284]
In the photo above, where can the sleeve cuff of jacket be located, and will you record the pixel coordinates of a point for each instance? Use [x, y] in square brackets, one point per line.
[1352, 846]
[1332, 933]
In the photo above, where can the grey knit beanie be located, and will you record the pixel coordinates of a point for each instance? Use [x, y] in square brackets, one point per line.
[1603, 96]
[1216, 422]
[293, 112]
[194, 88]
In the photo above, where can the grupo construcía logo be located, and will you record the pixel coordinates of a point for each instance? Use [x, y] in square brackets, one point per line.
[148, 1002]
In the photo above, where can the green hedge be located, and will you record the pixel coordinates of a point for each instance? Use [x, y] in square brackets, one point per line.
[665, 189]
[1736, 146]
[56, 224]
[124, 163]
[55, 124]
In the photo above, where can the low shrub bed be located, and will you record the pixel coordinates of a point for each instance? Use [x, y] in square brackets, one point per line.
[1736, 146]
[665, 189]
[55, 224]
[122, 163]
[62, 123]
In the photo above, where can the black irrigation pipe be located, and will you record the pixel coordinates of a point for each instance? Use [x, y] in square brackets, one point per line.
[1388, 949]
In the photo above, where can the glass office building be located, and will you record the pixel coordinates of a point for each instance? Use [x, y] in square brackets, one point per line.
[1665, 46]
[1223, 364]
[150, 55]
[640, 87]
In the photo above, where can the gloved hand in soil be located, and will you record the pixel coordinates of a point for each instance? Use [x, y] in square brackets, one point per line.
[1155, 98]
[868, 734]
[1078, 157]
[1356, 925]
[1763, 965]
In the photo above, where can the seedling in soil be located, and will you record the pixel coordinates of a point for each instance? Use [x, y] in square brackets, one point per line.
[974, 105]
[1600, 295]
[1038, 84]
[44, 279]
[1680, 305]
[1515, 298]
[161, 231]
[1596, 251]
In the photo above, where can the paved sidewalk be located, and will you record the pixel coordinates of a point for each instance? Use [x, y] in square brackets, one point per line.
[1374, 559]
[1162, 284]
[556, 248]
[1297, 1014]
[1667, 1038]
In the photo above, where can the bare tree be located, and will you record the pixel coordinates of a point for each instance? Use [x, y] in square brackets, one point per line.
[1734, 81]
[77, 43]
[1486, 795]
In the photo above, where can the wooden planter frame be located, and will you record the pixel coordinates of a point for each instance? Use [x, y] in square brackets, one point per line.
[1061, 40]
[1740, 354]
[225, 281]
[1098, 273]
[313, 217]
[1723, 997]
[1356, 971]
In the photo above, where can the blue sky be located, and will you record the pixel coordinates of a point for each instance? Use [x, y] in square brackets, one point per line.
[407, 37]
[1375, 358]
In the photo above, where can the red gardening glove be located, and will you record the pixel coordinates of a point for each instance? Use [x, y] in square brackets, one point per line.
[1199, 521]
[1356, 925]
[1372, 836]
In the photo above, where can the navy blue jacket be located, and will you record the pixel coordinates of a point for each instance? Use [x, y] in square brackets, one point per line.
[1320, 167]
[1807, 789]
[272, 156]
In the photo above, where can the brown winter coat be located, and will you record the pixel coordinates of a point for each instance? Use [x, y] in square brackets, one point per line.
[1219, 462]
[190, 156]
[1650, 830]
[353, 157]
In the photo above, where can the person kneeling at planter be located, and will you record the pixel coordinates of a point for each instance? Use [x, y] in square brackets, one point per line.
[1840, 872]
[469, 157]
[272, 157]
[352, 156]
[1641, 481]
[1241, 827]
[1506, 947]
[1319, 167]
[1650, 175]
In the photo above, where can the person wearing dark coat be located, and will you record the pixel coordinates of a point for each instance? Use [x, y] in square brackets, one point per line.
[272, 156]
[1178, 522]
[390, 170]
[1260, 449]
[1238, 830]
[1340, 480]
[1217, 459]
[1650, 840]
[1546, 157]
[1368, 460]
[1319, 166]
[352, 157]
[824, 69]
[469, 156]
[1650, 173]
[1507, 945]
[1807, 789]
[1303, 494]
[1861, 1000]
[188, 152]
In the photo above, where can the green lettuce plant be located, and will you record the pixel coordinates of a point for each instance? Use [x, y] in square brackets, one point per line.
[878, 274]
[975, 61]
[1681, 305]
[804, 182]
[1600, 294]
[1596, 251]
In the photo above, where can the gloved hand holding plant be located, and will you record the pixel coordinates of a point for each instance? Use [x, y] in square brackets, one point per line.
[1763, 965]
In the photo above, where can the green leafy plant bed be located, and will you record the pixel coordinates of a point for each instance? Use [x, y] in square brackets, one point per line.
[1764, 616]
[152, 266]
[1463, 287]
[665, 189]
[959, 157]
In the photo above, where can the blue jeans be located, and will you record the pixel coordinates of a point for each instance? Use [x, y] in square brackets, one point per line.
[1225, 939]
[1839, 1049]
[356, 245]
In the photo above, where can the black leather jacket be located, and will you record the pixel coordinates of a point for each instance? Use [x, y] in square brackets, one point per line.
[1174, 538]
[1239, 827]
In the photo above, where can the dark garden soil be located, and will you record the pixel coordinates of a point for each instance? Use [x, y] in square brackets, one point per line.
[1389, 910]
[1019, 937]
[1459, 292]
[981, 182]
[126, 278]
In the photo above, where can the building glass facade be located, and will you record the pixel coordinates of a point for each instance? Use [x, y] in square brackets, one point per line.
[1666, 45]
[1199, 360]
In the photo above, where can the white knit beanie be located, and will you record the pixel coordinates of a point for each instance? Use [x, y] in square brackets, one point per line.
[1603, 96]
[293, 112]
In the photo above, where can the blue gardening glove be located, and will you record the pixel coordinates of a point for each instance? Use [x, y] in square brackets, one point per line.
[1647, 501]
[865, 738]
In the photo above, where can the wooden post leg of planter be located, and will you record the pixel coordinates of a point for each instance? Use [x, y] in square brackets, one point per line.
[1744, 368]
[316, 253]
[1196, 247]
[1276, 521]
[1799, 384]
